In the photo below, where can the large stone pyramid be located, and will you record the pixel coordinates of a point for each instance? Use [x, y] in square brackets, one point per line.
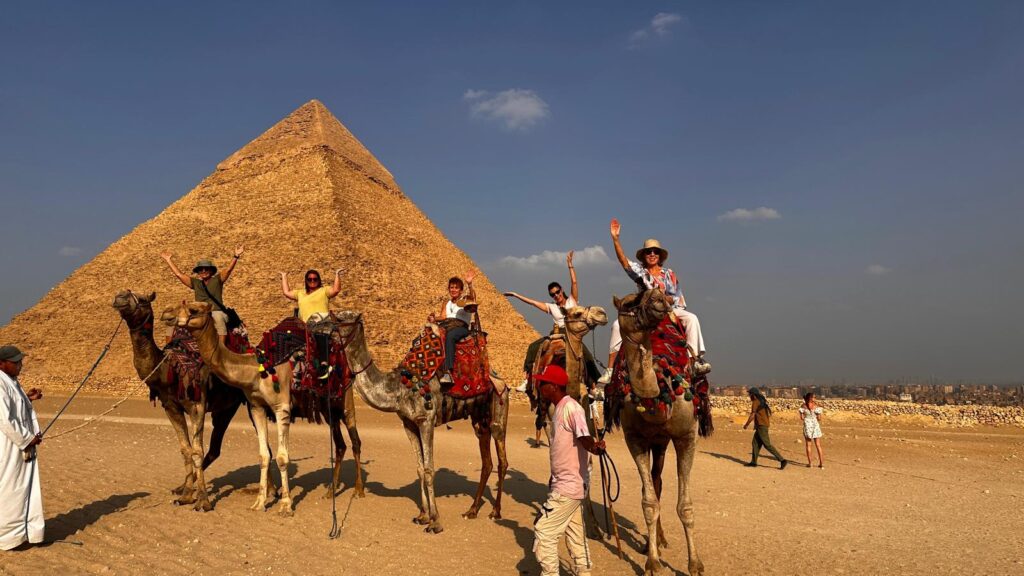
[305, 194]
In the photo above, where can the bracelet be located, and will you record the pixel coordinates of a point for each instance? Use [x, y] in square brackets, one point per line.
[237, 257]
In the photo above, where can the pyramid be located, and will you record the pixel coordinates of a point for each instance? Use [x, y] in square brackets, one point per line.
[304, 194]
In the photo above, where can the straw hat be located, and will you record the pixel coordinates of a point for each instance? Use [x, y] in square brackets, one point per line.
[652, 243]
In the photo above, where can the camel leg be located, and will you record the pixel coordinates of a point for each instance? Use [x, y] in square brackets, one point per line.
[221, 418]
[177, 418]
[483, 436]
[652, 509]
[427, 440]
[353, 436]
[593, 529]
[499, 419]
[417, 447]
[283, 461]
[685, 449]
[197, 415]
[657, 466]
[259, 418]
[339, 455]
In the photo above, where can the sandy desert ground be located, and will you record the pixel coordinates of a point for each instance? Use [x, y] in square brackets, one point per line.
[891, 500]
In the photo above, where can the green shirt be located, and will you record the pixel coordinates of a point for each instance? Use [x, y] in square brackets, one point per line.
[213, 285]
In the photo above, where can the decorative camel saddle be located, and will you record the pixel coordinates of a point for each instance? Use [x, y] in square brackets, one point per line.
[185, 366]
[670, 358]
[301, 345]
[471, 373]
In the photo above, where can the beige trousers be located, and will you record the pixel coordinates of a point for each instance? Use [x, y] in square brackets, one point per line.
[560, 514]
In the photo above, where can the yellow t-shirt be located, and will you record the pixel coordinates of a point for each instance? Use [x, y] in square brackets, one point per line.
[314, 302]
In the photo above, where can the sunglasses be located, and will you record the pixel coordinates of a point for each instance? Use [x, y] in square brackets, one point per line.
[312, 279]
[651, 251]
[555, 294]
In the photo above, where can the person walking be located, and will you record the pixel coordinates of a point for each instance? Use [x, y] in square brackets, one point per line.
[21, 499]
[810, 413]
[760, 415]
[563, 510]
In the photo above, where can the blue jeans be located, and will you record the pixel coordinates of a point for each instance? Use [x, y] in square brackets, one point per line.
[450, 338]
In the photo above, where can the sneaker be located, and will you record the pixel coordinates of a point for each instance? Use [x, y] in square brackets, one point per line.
[699, 366]
[522, 386]
[325, 371]
[606, 377]
[783, 465]
[446, 379]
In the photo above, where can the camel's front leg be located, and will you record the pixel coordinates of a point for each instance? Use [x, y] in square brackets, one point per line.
[642, 456]
[685, 448]
[590, 523]
[657, 467]
[353, 436]
[417, 448]
[283, 461]
[339, 455]
[259, 418]
[483, 436]
[197, 415]
[427, 440]
[177, 418]
[499, 416]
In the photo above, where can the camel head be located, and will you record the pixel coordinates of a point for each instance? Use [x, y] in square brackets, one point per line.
[134, 309]
[643, 311]
[169, 316]
[193, 316]
[583, 319]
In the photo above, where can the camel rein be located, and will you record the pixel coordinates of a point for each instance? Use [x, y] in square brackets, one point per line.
[103, 353]
[349, 338]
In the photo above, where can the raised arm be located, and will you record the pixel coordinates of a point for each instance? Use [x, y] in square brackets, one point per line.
[574, 289]
[288, 292]
[469, 285]
[336, 288]
[226, 273]
[174, 270]
[614, 228]
[529, 301]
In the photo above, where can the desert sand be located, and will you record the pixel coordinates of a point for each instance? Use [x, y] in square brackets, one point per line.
[908, 499]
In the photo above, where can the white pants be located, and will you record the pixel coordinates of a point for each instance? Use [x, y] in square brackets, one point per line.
[561, 515]
[690, 322]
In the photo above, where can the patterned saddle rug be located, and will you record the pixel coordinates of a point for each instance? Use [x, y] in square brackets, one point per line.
[471, 374]
[184, 364]
[670, 356]
[294, 342]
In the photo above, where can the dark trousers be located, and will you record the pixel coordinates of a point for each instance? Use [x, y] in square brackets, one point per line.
[761, 439]
[450, 338]
[593, 373]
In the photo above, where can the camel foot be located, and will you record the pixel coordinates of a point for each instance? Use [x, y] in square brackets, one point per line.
[260, 505]
[185, 500]
[203, 505]
[434, 528]
[495, 514]
[594, 533]
[360, 492]
[652, 567]
[470, 514]
[422, 519]
[696, 568]
[183, 489]
[328, 493]
[285, 510]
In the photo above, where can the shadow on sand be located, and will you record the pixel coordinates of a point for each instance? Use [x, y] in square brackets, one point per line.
[72, 521]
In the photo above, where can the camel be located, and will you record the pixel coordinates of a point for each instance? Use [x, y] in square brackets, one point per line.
[271, 397]
[220, 400]
[384, 391]
[649, 433]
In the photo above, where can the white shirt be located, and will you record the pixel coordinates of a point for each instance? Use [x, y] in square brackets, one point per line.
[557, 312]
[453, 310]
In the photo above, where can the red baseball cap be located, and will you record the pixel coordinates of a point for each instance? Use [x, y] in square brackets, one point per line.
[554, 374]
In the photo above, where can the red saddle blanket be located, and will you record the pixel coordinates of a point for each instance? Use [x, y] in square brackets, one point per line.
[279, 345]
[471, 373]
[671, 357]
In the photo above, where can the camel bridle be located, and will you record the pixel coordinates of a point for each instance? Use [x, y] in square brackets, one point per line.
[350, 337]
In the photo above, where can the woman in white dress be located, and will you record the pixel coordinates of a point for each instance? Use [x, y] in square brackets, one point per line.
[810, 412]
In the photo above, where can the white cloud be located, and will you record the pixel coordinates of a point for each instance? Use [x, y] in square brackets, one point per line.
[69, 251]
[660, 26]
[516, 109]
[745, 215]
[877, 270]
[590, 255]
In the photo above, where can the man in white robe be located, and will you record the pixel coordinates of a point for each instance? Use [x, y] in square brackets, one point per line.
[21, 500]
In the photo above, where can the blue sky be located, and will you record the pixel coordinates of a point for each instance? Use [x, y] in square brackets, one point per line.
[839, 185]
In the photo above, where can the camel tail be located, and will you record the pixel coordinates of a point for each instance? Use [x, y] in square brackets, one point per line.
[706, 427]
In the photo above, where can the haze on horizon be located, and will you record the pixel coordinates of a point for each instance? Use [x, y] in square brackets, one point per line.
[839, 187]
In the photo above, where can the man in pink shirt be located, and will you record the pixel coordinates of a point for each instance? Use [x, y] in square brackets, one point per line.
[563, 511]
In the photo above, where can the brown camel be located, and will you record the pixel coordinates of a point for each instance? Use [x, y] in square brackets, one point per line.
[385, 392]
[649, 433]
[220, 400]
[243, 371]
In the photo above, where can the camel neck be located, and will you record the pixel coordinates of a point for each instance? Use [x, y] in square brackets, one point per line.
[147, 353]
[382, 391]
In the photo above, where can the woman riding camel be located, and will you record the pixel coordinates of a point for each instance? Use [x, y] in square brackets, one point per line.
[459, 309]
[313, 308]
[207, 286]
[650, 273]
